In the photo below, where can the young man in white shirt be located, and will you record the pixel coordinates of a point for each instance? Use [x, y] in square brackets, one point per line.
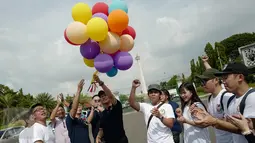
[217, 101]
[234, 79]
[25, 135]
[41, 133]
[159, 116]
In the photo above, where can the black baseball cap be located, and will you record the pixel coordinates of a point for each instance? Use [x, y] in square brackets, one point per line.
[234, 68]
[100, 93]
[208, 74]
[154, 87]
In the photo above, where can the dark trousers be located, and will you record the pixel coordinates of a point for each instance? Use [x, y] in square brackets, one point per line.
[176, 136]
[124, 139]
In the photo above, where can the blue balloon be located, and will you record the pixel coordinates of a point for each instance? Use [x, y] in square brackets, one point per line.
[118, 4]
[112, 72]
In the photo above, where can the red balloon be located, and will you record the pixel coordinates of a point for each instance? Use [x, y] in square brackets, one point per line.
[67, 40]
[130, 31]
[112, 55]
[100, 7]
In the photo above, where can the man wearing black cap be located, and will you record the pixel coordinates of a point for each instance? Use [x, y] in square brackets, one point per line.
[159, 116]
[111, 123]
[40, 132]
[217, 101]
[234, 78]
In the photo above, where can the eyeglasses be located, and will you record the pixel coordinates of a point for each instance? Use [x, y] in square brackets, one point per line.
[204, 81]
[97, 100]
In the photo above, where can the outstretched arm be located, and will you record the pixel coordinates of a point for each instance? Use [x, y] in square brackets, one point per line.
[76, 99]
[106, 89]
[135, 105]
[205, 62]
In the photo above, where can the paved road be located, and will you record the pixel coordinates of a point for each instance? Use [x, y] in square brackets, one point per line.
[136, 130]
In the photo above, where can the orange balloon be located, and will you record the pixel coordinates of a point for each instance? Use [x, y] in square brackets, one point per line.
[118, 20]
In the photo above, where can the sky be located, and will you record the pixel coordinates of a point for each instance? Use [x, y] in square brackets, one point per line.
[36, 57]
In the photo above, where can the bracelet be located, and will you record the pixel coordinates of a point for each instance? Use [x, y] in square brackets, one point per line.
[246, 132]
[101, 83]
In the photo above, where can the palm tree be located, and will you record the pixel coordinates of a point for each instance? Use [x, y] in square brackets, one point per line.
[47, 100]
[6, 102]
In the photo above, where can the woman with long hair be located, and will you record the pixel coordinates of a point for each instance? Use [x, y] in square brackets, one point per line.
[192, 132]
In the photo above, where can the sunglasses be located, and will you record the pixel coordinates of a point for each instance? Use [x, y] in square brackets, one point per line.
[97, 100]
[204, 81]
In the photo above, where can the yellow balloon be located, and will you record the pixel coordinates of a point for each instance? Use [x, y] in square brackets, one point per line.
[97, 29]
[126, 43]
[81, 12]
[111, 44]
[89, 62]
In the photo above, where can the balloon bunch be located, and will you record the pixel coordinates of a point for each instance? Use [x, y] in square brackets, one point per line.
[103, 34]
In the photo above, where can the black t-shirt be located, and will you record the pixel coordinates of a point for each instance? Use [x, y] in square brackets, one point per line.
[77, 130]
[112, 124]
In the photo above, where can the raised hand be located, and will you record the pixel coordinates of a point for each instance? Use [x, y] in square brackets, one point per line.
[136, 83]
[205, 58]
[96, 78]
[80, 85]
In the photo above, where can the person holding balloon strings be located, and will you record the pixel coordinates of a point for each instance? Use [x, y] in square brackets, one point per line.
[111, 123]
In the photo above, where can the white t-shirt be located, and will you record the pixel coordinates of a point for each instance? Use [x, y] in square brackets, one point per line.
[193, 134]
[25, 136]
[249, 112]
[43, 133]
[157, 131]
[215, 109]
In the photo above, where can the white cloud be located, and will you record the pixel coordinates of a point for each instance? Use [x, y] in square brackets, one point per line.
[36, 57]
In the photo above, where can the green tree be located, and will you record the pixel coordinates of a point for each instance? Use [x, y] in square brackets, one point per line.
[172, 83]
[123, 98]
[210, 52]
[193, 70]
[233, 42]
[221, 55]
[47, 100]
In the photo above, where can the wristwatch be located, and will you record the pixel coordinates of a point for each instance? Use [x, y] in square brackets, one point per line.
[246, 132]
[101, 83]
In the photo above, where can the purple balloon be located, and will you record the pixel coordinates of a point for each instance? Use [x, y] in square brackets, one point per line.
[103, 63]
[90, 49]
[123, 60]
[101, 15]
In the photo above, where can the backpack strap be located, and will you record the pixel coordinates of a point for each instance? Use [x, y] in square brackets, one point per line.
[230, 99]
[242, 103]
[221, 100]
[209, 98]
[152, 115]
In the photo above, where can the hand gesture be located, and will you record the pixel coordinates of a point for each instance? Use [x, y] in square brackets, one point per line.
[96, 78]
[155, 112]
[61, 96]
[242, 123]
[178, 112]
[202, 118]
[80, 85]
[100, 108]
[98, 140]
[205, 58]
[136, 83]
[58, 99]
[181, 119]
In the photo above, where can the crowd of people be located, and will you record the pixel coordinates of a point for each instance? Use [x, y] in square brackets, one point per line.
[230, 112]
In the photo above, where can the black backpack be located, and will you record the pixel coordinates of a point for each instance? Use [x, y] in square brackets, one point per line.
[221, 99]
[242, 103]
